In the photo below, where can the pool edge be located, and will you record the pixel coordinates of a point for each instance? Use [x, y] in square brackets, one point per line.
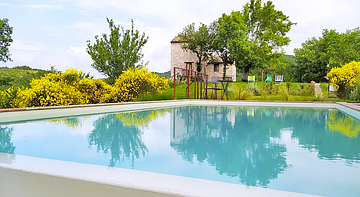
[139, 180]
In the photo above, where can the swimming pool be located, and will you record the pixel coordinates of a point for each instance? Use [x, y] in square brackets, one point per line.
[303, 150]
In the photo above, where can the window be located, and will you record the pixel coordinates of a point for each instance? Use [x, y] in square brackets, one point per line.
[216, 67]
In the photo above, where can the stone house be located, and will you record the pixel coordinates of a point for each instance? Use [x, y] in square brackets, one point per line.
[180, 56]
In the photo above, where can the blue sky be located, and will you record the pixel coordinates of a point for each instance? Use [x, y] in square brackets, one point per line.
[54, 32]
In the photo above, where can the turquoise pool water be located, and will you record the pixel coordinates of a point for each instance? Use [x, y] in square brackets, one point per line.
[312, 151]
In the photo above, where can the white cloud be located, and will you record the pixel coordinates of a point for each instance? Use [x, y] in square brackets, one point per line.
[44, 6]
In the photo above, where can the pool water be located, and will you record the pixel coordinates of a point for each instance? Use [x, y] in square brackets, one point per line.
[312, 151]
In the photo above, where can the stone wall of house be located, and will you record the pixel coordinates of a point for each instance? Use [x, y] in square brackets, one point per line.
[179, 56]
[230, 71]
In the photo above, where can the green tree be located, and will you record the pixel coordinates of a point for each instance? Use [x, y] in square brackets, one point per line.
[226, 29]
[5, 40]
[117, 52]
[197, 41]
[265, 30]
[317, 56]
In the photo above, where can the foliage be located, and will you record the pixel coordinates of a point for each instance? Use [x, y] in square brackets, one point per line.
[95, 91]
[19, 76]
[318, 55]
[240, 93]
[9, 98]
[166, 74]
[5, 40]
[54, 89]
[225, 29]
[345, 77]
[197, 41]
[265, 31]
[117, 52]
[135, 82]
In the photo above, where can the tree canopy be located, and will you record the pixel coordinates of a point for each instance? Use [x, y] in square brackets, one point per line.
[252, 38]
[118, 51]
[197, 41]
[317, 56]
[265, 30]
[5, 40]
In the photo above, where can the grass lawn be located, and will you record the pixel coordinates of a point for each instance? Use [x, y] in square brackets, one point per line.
[256, 92]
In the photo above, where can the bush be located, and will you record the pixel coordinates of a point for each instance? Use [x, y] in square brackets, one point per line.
[135, 82]
[344, 78]
[240, 93]
[8, 98]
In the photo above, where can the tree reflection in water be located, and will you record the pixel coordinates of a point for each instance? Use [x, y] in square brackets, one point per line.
[120, 134]
[123, 142]
[230, 140]
[245, 142]
[6, 146]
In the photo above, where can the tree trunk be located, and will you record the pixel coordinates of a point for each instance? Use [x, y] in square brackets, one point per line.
[224, 73]
[246, 74]
[262, 75]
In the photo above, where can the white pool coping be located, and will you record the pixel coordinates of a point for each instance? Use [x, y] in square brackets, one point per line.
[149, 181]
[142, 180]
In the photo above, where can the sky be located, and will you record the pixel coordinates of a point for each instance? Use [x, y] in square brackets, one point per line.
[54, 32]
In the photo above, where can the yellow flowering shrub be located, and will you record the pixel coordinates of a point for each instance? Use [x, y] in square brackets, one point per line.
[135, 82]
[345, 125]
[9, 98]
[345, 75]
[74, 87]
[95, 91]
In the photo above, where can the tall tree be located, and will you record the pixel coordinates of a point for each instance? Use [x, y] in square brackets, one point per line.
[265, 30]
[117, 52]
[5, 40]
[197, 41]
[317, 56]
[226, 29]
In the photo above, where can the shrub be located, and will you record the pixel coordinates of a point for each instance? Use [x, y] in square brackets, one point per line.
[135, 82]
[240, 93]
[9, 98]
[95, 91]
[285, 94]
[344, 77]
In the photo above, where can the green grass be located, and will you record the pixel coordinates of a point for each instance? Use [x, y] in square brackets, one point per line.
[279, 93]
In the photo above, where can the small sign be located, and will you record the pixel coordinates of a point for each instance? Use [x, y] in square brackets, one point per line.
[331, 88]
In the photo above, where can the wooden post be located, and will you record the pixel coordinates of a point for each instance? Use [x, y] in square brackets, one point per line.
[206, 84]
[174, 83]
[188, 82]
[201, 78]
[195, 85]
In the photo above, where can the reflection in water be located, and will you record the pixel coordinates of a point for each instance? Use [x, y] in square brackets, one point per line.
[246, 142]
[6, 146]
[230, 140]
[123, 142]
[346, 125]
[120, 134]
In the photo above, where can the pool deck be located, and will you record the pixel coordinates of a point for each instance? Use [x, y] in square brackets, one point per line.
[15, 183]
[29, 176]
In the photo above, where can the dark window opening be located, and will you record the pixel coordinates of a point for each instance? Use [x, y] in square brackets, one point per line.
[216, 67]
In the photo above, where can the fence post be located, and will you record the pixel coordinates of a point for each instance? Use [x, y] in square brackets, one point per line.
[188, 82]
[174, 83]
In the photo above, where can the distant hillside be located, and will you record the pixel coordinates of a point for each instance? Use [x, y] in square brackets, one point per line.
[164, 74]
[19, 76]
[291, 58]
